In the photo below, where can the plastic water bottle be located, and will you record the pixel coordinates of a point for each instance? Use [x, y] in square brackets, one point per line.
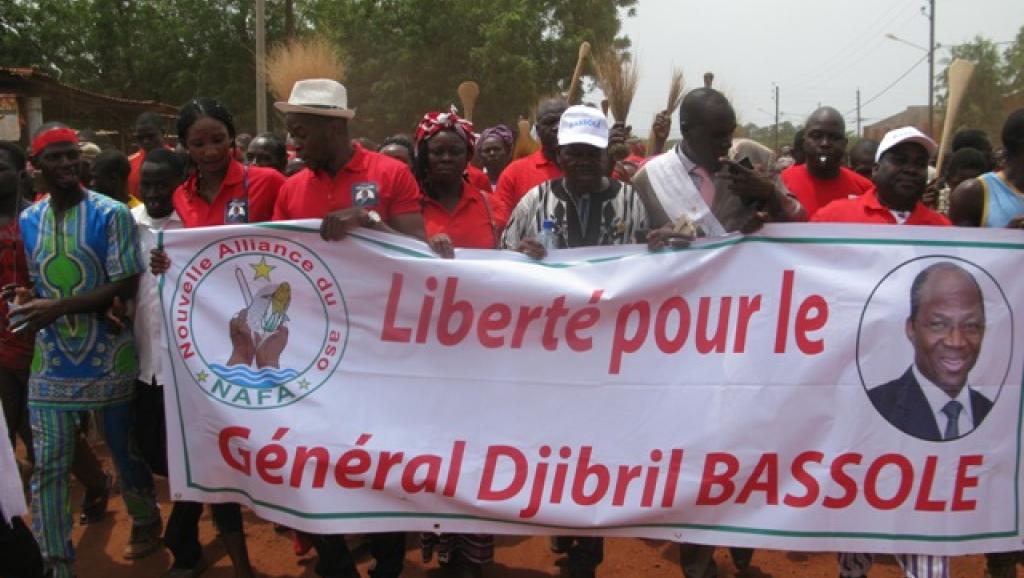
[547, 236]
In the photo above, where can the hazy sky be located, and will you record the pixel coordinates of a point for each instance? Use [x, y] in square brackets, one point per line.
[816, 51]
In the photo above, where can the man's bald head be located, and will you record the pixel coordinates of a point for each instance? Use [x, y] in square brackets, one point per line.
[555, 105]
[827, 114]
[825, 142]
[549, 112]
[706, 121]
[697, 105]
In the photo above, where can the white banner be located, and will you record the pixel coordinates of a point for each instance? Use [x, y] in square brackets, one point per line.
[767, 391]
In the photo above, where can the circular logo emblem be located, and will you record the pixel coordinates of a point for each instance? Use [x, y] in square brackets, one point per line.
[259, 321]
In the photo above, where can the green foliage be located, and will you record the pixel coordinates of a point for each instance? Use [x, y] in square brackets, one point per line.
[405, 57]
[1013, 65]
[766, 135]
[996, 77]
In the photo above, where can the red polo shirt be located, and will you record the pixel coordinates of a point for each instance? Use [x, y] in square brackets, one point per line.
[814, 193]
[519, 177]
[263, 188]
[478, 178]
[867, 209]
[135, 176]
[468, 226]
[369, 180]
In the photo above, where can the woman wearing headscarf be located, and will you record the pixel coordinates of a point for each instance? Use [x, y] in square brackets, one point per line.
[455, 213]
[494, 148]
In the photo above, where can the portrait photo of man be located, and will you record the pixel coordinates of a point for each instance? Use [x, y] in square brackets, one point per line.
[933, 400]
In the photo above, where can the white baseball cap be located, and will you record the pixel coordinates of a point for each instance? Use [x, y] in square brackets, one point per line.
[583, 124]
[899, 136]
[319, 96]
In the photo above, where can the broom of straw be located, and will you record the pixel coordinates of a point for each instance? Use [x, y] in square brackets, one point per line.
[675, 97]
[618, 78]
[301, 59]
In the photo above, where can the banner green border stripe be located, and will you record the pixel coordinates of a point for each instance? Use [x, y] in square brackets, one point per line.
[710, 527]
[731, 529]
[706, 247]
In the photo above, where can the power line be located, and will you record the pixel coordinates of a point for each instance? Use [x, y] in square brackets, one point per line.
[853, 45]
[855, 57]
[892, 84]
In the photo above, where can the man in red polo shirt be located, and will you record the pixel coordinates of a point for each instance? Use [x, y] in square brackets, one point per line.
[343, 183]
[348, 187]
[823, 178]
[523, 174]
[149, 134]
[900, 175]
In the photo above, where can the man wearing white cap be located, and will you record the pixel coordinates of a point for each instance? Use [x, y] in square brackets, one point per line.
[900, 176]
[584, 206]
[348, 187]
[343, 183]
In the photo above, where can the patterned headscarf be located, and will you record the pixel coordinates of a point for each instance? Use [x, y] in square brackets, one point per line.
[500, 131]
[435, 122]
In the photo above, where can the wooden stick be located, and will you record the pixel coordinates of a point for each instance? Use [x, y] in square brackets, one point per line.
[469, 91]
[584, 52]
[525, 144]
[959, 76]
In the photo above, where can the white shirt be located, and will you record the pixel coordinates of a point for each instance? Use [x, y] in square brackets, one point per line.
[149, 335]
[12, 498]
[937, 399]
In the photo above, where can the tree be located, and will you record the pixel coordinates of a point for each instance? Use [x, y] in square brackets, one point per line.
[1013, 65]
[997, 77]
[405, 56]
[982, 105]
[766, 135]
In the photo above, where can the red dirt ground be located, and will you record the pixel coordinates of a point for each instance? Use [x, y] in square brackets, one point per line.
[99, 555]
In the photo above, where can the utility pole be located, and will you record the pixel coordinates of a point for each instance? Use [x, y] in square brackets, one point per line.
[775, 129]
[858, 111]
[931, 68]
[261, 67]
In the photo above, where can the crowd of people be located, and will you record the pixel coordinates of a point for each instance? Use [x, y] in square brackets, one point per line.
[81, 346]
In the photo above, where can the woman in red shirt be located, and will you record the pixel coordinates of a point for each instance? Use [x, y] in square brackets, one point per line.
[455, 213]
[219, 191]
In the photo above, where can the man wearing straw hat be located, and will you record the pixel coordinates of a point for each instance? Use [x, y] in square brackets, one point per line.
[343, 183]
[348, 187]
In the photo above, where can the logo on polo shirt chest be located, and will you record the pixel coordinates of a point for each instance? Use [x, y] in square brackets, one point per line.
[364, 194]
[255, 349]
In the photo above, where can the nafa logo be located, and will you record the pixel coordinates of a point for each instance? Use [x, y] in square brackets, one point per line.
[236, 329]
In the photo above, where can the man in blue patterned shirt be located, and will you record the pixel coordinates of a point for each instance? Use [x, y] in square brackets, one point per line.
[82, 256]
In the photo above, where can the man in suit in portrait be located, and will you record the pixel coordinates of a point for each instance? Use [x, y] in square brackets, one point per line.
[932, 400]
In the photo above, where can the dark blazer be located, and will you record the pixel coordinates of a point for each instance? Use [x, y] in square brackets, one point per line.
[903, 404]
